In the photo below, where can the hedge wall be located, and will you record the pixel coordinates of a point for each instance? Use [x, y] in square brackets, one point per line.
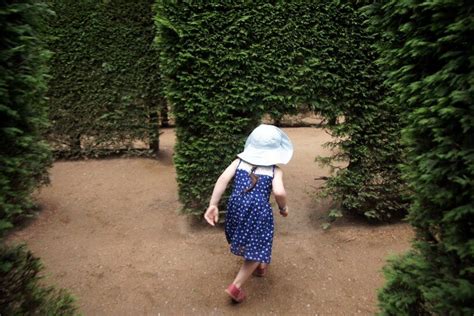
[211, 87]
[365, 126]
[105, 87]
[24, 157]
[227, 63]
[428, 54]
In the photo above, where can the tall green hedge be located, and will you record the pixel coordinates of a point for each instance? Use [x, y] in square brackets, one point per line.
[24, 157]
[105, 88]
[428, 55]
[365, 126]
[214, 92]
[226, 63]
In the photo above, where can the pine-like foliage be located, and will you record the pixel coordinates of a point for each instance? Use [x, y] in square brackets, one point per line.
[24, 157]
[105, 86]
[21, 292]
[212, 89]
[365, 126]
[428, 55]
[226, 63]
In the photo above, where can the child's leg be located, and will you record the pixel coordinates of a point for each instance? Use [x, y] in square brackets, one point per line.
[261, 270]
[245, 271]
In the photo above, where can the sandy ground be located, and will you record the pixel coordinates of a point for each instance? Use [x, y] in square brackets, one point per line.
[110, 231]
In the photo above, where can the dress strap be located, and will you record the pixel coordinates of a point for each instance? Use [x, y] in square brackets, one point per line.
[240, 160]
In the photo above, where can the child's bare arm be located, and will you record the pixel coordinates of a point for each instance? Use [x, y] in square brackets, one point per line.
[279, 191]
[221, 183]
[212, 212]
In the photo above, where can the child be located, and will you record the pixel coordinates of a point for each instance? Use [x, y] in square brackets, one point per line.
[249, 220]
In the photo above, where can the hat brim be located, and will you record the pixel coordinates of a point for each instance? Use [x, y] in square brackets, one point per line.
[268, 157]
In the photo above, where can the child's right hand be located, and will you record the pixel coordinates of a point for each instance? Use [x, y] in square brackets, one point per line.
[284, 213]
[212, 215]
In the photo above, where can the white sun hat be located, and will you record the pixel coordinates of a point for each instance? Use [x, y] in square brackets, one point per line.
[267, 145]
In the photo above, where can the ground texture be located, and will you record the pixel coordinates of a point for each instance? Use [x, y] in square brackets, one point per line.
[110, 231]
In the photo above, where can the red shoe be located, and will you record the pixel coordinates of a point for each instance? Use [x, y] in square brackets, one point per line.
[260, 272]
[235, 293]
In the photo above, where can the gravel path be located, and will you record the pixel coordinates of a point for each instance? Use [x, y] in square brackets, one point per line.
[110, 232]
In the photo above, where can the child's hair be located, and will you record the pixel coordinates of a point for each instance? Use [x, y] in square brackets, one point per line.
[253, 178]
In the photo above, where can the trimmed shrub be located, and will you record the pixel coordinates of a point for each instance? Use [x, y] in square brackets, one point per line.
[213, 90]
[226, 64]
[365, 126]
[427, 53]
[105, 87]
[24, 157]
[21, 292]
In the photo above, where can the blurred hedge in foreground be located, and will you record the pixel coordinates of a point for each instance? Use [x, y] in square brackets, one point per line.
[21, 292]
[105, 86]
[24, 156]
[428, 56]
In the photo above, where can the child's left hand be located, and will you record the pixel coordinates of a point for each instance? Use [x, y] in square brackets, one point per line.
[212, 215]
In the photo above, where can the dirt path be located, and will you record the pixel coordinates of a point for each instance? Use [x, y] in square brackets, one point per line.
[110, 232]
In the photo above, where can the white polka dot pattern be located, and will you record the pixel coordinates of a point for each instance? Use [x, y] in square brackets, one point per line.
[249, 222]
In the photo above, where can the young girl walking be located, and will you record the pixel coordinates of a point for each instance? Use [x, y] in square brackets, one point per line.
[249, 220]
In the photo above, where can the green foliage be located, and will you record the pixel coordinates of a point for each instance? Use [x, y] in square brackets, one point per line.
[427, 53]
[21, 292]
[24, 157]
[227, 63]
[366, 127]
[215, 95]
[105, 87]
[404, 296]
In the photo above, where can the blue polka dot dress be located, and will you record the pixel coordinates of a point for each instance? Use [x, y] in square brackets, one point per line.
[249, 220]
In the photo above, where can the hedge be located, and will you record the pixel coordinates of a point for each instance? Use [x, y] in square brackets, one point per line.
[24, 156]
[365, 126]
[105, 89]
[428, 56]
[208, 82]
[225, 64]
[21, 292]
